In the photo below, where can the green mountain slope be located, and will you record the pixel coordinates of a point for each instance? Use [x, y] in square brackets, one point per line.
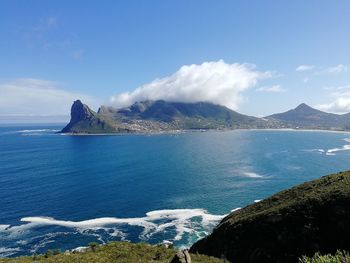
[309, 218]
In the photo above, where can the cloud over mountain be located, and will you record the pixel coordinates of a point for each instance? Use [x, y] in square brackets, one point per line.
[341, 100]
[216, 82]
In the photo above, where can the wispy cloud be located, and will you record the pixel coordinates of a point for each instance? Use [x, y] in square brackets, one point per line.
[78, 54]
[216, 82]
[274, 88]
[336, 69]
[305, 67]
[30, 96]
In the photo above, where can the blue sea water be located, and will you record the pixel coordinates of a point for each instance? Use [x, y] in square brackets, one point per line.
[59, 191]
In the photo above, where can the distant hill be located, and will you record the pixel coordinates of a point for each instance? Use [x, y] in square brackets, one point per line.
[309, 218]
[305, 116]
[160, 116]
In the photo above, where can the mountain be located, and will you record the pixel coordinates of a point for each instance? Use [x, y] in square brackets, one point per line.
[163, 116]
[312, 217]
[159, 116]
[307, 117]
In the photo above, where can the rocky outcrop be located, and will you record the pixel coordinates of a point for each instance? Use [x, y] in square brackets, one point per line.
[85, 120]
[181, 256]
[79, 112]
[312, 217]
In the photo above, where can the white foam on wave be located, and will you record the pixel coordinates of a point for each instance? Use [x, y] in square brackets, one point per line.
[3, 227]
[252, 175]
[8, 251]
[37, 130]
[334, 150]
[190, 221]
[320, 151]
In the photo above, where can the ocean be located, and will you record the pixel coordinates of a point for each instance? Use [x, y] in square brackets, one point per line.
[62, 192]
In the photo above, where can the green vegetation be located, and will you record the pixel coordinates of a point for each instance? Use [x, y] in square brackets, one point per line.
[116, 252]
[302, 220]
[339, 257]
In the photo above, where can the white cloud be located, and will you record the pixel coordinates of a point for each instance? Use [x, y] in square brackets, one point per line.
[216, 82]
[341, 101]
[337, 69]
[340, 105]
[274, 88]
[37, 97]
[306, 80]
[305, 67]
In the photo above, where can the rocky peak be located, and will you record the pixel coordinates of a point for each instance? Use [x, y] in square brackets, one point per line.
[304, 107]
[80, 111]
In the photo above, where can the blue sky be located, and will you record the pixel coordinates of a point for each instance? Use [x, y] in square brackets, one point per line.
[54, 51]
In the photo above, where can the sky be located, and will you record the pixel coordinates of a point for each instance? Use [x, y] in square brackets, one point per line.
[255, 57]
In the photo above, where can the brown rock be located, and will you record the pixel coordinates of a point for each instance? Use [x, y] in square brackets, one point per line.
[181, 256]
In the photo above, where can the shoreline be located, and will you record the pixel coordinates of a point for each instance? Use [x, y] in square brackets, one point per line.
[196, 131]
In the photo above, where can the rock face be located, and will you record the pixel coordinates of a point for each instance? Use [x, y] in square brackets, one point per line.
[182, 257]
[85, 120]
[311, 217]
[79, 112]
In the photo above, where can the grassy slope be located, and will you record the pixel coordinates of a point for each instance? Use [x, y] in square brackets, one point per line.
[114, 252]
[339, 257]
[321, 190]
[302, 220]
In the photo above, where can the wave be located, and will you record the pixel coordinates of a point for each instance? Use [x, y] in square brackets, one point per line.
[252, 175]
[344, 148]
[181, 226]
[31, 132]
[7, 252]
[37, 130]
[320, 151]
[332, 151]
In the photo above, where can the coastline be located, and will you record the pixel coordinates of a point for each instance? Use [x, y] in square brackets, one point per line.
[196, 131]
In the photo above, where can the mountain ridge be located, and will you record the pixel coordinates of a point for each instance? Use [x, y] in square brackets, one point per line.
[163, 116]
[159, 116]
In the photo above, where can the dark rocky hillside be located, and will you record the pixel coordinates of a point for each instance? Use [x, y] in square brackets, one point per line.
[309, 218]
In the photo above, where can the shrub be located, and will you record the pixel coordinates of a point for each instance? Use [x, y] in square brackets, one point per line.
[339, 257]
